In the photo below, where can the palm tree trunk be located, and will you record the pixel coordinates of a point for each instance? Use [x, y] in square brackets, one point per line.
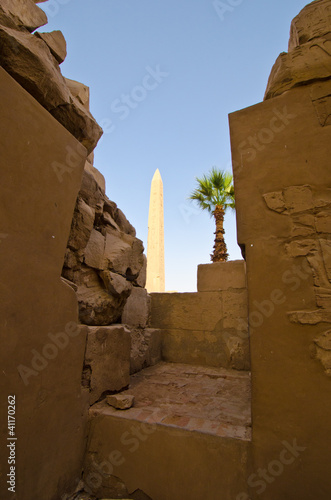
[220, 251]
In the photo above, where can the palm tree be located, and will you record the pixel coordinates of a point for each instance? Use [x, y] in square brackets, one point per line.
[215, 193]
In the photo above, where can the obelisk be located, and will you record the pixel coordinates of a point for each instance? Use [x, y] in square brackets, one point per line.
[155, 281]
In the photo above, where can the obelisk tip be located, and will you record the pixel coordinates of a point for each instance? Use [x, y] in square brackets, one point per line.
[157, 174]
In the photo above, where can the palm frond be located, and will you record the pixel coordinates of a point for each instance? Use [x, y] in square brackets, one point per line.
[214, 189]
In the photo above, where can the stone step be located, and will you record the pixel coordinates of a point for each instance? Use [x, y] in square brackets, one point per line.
[208, 327]
[185, 420]
[205, 328]
[215, 348]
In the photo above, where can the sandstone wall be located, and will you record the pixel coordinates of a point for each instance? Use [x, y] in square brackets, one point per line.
[208, 327]
[42, 345]
[56, 367]
[281, 162]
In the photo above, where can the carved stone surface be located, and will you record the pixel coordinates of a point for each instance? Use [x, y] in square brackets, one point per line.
[301, 66]
[309, 210]
[309, 54]
[312, 22]
[145, 348]
[283, 220]
[321, 350]
[321, 99]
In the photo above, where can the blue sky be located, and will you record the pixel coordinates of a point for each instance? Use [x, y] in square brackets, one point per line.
[163, 77]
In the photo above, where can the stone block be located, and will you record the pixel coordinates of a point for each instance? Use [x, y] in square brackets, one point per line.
[112, 487]
[238, 352]
[141, 280]
[275, 201]
[235, 309]
[81, 226]
[80, 91]
[115, 284]
[136, 311]
[120, 401]
[323, 222]
[71, 261]
[298, 155]
[221, 276]
[159, 458]
[186, 311]
[298, 198]
[302, 65]
[91, 192]
[94, 250]
[124, 224]
[321, 97]
[326, 256]
[29, 60]
[123, 253]
[312, 22]
[194, 347]
[39, 312]
[56, 43]
[321, 350]
[98, 177]
[108, 358]
[22, 13]
[96, 305]
[301, 247]
[108, 220]
[145, 348]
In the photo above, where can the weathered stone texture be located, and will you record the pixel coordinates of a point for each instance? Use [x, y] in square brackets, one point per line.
[321, 99]
[194, 347]
[97, 176]
[221, 276]
[56, 43]
[312, 22]
[306, 63]
[321, 350]
[207, 328]
[107, 360]
[21, 14]
[104, 258]
[121, 401]
[112, 487]
[283, 210]
[137, 309]
[309, 210]
[186, 311]
[234, 307]
[145, 348]
[153, 457]
[33, 61]
[37, 308]
[309, 52]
